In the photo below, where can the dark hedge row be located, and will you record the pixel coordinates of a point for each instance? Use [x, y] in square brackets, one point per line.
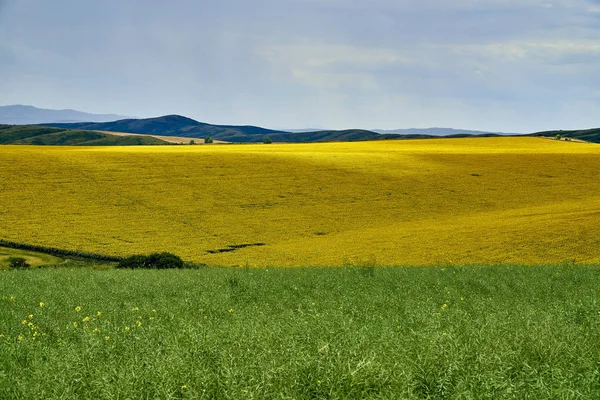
[59, 252]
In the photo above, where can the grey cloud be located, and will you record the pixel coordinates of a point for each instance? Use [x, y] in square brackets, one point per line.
[377, 63]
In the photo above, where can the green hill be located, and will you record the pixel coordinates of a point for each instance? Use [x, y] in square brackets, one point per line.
[41, 135]
[176, 125]
[589, 135]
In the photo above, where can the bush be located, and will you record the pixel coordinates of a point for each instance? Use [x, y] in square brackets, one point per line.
[208, 140]
[267, 140]
[152, 261]
[18, 262]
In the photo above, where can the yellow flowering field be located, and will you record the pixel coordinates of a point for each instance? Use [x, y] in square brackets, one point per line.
[418, 202]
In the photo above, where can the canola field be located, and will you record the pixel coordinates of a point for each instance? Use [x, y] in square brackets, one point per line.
[419, 202]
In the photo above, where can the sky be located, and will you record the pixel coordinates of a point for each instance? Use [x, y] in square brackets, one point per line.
[495, 65]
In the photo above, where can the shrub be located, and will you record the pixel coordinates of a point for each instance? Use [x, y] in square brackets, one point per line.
[153, 261]
[208, 139]
[18, 262]
[267, 140]
[192, 141]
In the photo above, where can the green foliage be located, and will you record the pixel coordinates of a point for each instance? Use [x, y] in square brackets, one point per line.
[208, 140]
[58, 252]
[494, 332]
[192, 141]
[18, 263]
[588, 135]
[40, 135]
[267, 140]
[153, 261]
[558, 136]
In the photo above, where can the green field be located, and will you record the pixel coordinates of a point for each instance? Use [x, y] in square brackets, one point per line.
[508, 332]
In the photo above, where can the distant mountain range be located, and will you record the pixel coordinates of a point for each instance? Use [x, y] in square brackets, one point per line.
[183, 127]
[176, 125]
[27, 115]
[439, 132]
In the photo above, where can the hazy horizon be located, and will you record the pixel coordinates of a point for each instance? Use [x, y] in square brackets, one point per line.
[498, 65]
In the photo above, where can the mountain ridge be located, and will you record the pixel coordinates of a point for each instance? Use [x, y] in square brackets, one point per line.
[19, 114]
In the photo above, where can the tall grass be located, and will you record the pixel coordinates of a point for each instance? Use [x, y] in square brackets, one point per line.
[456, 333]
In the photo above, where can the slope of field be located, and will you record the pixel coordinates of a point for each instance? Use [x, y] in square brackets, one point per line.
[40, 135]
[446, 201]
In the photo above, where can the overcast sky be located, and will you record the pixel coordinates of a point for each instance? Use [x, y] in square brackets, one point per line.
[498, 65]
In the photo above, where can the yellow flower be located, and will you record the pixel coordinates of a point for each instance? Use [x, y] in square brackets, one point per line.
[19, 338]
[444, 306]
[30, 316]
[25, 321]
[230, 310]
[106, 337]
[135, 309]
[75, 324]
[153, 310]
[11, 298]
[78, 308]
[86, 319]
[138, 323]
[126, 329]
[96, 330]
[98, 314]
[42, 304]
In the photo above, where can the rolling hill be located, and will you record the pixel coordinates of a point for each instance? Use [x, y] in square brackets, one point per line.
[176, 125]
[39, 135]
[414, 202]
[589, 135]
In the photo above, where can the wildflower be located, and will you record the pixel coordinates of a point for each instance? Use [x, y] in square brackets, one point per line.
[30, 316]
[135, 309]
[230, 310]
[96, 330]
[98, 314]
[106, 337]
[444, 306]
[25, 321]
[153, 310]
[11, 298]
[75, 324]
[86, 319]
[77, 309]
[183, 387]
[19, 338]
[138, 323]
[42, 304]
[126, 329]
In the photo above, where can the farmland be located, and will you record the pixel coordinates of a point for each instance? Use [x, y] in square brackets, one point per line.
[447, 201]
[501, 332]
